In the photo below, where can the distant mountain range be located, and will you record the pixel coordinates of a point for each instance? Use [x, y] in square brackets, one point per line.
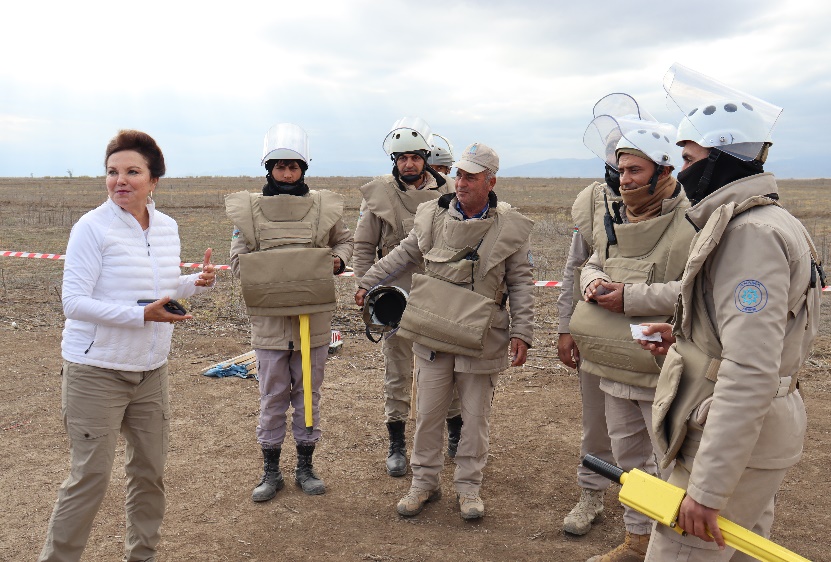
[592, 168]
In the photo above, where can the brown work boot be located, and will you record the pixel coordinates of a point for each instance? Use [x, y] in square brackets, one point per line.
[588, 508]
[415, 500]
[633, 549]
[471, 505]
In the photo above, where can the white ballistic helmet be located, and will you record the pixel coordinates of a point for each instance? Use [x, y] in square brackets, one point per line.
[719, 116]
[285, 141]
[603, 134]
[408, 134]
[655, 140]
[441, 153]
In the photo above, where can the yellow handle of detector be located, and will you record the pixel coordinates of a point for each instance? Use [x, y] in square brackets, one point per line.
[306, 358]
[752, 544]
[661, 501]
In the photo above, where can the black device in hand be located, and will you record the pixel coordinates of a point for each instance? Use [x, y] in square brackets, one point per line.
[171, 306]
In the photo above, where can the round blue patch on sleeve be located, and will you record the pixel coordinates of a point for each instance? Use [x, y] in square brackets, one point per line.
[751, 296]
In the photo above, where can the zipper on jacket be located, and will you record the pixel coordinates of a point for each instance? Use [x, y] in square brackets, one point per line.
[94, 332]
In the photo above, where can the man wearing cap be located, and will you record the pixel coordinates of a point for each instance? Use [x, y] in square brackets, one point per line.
[475, 252]
[387, 210]
[749, 312]
[634, 276]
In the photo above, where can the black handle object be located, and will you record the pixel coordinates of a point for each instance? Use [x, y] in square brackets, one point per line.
[603, 468]
[171, 306]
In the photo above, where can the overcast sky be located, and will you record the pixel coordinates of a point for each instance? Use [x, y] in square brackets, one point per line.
[522, 77]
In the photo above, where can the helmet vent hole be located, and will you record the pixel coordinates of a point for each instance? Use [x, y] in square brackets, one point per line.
[642, 132]
[709, 110]
[414, 134]
[747, 106]
[693, 111]
[730, 107]
[656, 135]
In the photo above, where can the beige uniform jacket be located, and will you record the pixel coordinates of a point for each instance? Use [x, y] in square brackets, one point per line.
[283, 332]
[518, 280]
[755, 283]
[371, 230]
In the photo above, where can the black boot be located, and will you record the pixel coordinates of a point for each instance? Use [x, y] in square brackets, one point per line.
[272, 479]
[397, 457]
[304, 474]
[454, 433]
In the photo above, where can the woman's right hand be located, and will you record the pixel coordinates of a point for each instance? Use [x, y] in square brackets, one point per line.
[155, 312]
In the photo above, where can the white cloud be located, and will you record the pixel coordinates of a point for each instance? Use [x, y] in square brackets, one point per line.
[522, 77]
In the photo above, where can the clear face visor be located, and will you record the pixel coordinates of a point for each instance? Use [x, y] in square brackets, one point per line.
[441, 153]
[285, 141]
[621, 105]
[408, 134]
[717, 115]
[606, 134]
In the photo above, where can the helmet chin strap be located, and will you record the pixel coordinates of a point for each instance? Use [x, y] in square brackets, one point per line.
[653, 183]
[704, 182]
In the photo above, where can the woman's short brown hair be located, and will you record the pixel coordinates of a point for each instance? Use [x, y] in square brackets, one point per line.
[129, 139]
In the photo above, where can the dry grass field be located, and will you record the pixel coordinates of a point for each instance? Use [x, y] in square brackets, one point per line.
[214, 460]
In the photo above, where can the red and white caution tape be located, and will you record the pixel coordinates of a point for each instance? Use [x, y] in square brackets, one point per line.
[8, 254]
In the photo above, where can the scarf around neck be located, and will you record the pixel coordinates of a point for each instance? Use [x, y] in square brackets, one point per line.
[642, 205]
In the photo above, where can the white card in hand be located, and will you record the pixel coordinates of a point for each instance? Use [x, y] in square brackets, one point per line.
[637, 333]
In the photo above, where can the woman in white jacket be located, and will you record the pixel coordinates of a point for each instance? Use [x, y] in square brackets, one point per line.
[115, 350]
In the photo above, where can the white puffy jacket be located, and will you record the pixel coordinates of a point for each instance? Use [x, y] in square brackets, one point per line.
[110, 265]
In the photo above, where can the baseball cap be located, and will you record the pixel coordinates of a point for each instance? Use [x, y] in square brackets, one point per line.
[478, 157]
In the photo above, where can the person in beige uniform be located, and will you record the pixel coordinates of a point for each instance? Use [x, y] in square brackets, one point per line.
[588, 213]
[475, 252]
[634, 277]
[387, 210]
[441, 157]
[726, 407]
[287, 242]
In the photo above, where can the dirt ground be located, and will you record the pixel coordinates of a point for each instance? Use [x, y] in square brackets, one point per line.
[214, 460]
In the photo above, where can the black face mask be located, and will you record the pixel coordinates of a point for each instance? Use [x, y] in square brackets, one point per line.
[613, 179]
[714, 172]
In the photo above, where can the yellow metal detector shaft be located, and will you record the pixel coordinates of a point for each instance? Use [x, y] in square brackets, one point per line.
[661, 501]
[306, 358]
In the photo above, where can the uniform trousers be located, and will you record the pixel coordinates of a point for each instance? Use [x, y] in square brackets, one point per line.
[398, 380]
[595, 440]
[281, 383]
[750, 505]
[96, 404]
[630, 430]
[435, 380]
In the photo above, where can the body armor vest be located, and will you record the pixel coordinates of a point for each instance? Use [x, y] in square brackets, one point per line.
[463, 293]
[396, 208]
[652, 251]
[588, 213]
[289, 269]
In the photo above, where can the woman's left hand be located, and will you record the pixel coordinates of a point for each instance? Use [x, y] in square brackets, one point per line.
[208, 276]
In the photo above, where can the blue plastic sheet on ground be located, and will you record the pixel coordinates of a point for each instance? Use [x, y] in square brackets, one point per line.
[230, 371]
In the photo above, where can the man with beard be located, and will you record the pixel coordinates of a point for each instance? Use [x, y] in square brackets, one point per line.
[287, 228]
[726, 408]
[632, 278]
[387, 210]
